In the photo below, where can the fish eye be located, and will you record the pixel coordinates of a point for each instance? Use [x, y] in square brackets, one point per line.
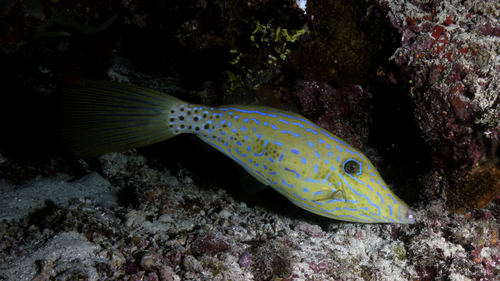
[351, 167]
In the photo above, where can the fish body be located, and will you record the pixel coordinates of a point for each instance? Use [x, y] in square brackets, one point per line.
[311, 167]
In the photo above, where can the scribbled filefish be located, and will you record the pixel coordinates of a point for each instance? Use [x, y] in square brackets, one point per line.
[314, 169]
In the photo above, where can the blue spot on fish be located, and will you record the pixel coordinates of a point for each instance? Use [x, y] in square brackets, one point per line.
[294, 151]
[293, 134]
[393, 201]
[310, 180]
[312, 131]
[381, 199]
[287, 184]
[334, 138]
[295, 194]
[260, 154]
[242, 155]
[296, 174]
[300, 119]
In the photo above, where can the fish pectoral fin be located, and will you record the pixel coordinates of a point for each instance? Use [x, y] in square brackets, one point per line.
[329, 195]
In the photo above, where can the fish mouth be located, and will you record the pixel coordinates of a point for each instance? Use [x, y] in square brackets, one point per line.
[410, 216]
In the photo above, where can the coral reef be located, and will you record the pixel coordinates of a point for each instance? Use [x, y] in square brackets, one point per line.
[449, 53]
[172, 211]
[205, 234]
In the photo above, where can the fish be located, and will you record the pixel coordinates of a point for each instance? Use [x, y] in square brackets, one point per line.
[313, 168]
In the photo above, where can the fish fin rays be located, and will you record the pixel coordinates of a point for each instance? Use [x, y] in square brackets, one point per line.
[98, 117]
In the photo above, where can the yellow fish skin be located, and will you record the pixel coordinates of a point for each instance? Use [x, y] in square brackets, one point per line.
[314, 169]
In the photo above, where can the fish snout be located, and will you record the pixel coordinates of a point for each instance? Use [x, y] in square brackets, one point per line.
[410, 216]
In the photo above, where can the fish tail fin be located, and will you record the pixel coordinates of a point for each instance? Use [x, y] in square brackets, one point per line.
[98, 117]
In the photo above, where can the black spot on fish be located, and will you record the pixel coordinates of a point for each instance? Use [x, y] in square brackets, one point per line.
[181, 118]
